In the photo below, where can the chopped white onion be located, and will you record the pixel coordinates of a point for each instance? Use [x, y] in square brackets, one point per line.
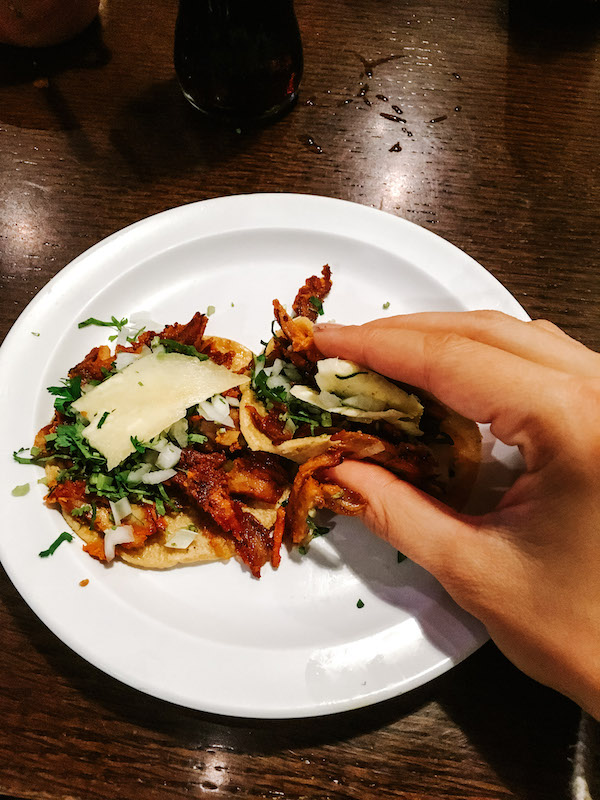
[363, 402]
[158, 443]
[291, 372]
[120, 509]
[120, 535]
[159, 476]
[216, 410]
[330, 400]
[179, 431]
[181, 539]
[136, 475]
[150, 457]
[142, 319]
[233, 401]
[168, 456]
[277, 381]
[124, 360]
[275, 367]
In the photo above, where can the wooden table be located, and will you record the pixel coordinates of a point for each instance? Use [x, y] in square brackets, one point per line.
[499, 154]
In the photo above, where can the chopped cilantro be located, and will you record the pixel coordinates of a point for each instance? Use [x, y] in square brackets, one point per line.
[316, 530]
[197, 438]
[113, 337]
[81, 510]
[160, 506]
[353, 375]
[34, 333]
[103, 419]
[359, 603]
[303, 550]
[114, 323]
[64, 537]
[66, 394]
[386, 305]
[192, 528]
[171, 346]
[140, 448]
[20, 491]
[134, 338]
[29, 460]
[317, 305]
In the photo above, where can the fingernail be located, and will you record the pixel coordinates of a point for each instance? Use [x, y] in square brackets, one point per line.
[326, 326]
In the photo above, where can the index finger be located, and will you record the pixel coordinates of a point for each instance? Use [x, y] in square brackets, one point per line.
[479, 381]
[537, 340]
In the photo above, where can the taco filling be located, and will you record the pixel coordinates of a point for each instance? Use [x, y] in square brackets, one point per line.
[145, 459]
[318, 411]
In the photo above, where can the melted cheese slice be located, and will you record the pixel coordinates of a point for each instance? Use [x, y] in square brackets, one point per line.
[147, 397]
[354, 391]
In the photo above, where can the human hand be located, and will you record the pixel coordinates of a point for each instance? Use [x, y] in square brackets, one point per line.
[529, 569]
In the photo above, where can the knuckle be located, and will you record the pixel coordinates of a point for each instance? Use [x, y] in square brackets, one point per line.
[546, 325]
[489, 317]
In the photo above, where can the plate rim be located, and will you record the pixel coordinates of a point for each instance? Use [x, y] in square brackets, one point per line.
[163, 218]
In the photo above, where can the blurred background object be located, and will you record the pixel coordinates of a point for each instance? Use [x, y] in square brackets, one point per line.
[236, 60]
[40, 23]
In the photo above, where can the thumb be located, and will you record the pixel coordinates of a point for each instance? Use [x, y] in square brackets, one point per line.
[444, 542]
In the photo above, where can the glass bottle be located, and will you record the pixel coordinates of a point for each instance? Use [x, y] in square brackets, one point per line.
[238, 60]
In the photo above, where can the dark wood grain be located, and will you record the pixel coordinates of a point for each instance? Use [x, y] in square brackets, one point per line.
[498, 154]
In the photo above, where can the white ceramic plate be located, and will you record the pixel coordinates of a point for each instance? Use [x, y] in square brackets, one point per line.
[210, 637]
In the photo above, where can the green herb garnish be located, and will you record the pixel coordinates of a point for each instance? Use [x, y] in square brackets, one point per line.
[386, 305]
[30, 460]
[64, 537]
[171, 346]
[113, 323]
[81, 510]
[139, 446]
[132, 339]
[360, 603]
[353, 375]
[316, 530]
[197, 438]
[66, 394]
[20, 491]
[103, 419]
[317, 305]
[210, 311]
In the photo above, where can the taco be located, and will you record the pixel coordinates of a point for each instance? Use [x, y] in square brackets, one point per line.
[318, 411]
[145, 459]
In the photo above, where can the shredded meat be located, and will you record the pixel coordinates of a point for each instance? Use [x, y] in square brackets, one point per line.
[205, 482]
[309, 492]
[92, 366]
[260, 476]
[298, 332]
[192, 333]
[270, 424]
[278, 532]
[314, 287]
[411, 462]
[414, 463]
[67, 495]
